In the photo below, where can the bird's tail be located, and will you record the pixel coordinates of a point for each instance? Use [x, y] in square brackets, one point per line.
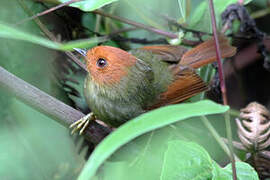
[205, 53]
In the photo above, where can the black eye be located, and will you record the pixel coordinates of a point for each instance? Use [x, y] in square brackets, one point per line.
[101, 62]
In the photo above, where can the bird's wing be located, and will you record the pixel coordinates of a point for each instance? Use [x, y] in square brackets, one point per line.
[185, 85]
[168, 53]
[186, 82]
[196, 57]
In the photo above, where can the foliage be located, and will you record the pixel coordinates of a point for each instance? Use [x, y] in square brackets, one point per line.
[12, 33]
[90, 5]
[167, 143]
[145, 123]
[158, 154]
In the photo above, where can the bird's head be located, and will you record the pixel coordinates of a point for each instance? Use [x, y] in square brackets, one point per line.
[108, 65]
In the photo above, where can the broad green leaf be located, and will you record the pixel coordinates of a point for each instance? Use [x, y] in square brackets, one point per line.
[13, 33]
[185, 161]
[145, 123]
[159, 155]
[89, 5]
[9, 32]
[243, 170]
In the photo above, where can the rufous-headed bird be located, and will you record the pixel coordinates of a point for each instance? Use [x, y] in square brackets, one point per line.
[122, 85]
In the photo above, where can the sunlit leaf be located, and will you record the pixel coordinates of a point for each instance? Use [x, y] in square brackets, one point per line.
[244, 172]
[12, 33]
[89, 5]
[185, 161]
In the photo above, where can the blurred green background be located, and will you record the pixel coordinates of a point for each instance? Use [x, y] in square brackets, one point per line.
[32, 146]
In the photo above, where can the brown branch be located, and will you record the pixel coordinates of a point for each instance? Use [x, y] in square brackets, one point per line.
[49, 106]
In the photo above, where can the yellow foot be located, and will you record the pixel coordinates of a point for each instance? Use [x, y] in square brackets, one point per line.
[82, 123]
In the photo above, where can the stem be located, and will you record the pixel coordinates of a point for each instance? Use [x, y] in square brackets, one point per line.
[223, 87]
[234, 112]
[229, 136]
[210, 127]
[49, 106]
[220, 68]
[136, 24]
[217, 136]
[260, 13]
[180, 26]
[236, 144]
[98, 22]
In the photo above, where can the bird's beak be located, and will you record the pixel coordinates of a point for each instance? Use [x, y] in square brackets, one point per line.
[81, 51]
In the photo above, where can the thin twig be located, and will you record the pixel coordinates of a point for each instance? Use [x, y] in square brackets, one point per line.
[210, 127]
[220, 68]
[51, 36]
[136, 24]
[217, 137]
[115, 36]
[236, 144]
[175, 23]
[49, 106]
[223, 87]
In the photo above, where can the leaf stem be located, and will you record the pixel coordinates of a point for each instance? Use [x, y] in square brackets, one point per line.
[223, 87]
[217, 137]
[136, 24]
[210, 127]
[50, 35]
[49, 106]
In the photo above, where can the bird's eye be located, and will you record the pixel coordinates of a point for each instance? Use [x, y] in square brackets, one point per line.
[101, 63]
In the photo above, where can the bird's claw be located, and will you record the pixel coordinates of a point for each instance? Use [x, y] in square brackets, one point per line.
[82, 123]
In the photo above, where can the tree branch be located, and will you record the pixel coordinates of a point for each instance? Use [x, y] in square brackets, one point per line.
[49, 106]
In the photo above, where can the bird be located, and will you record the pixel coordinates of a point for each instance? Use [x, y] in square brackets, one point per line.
[121, 85]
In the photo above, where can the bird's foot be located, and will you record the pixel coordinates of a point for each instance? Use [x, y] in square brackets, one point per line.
[82, 123]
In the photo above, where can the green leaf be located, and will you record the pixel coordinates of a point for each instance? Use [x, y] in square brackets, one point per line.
[12, 33]
[155, 157]
[145, 123]
[89, 5]
[9, 32]
[185, 161]
[243, 170]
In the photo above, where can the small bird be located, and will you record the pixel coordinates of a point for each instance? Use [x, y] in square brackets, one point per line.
[121, 85]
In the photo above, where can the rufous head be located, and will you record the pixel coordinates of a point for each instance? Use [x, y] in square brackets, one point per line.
[108, 65]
